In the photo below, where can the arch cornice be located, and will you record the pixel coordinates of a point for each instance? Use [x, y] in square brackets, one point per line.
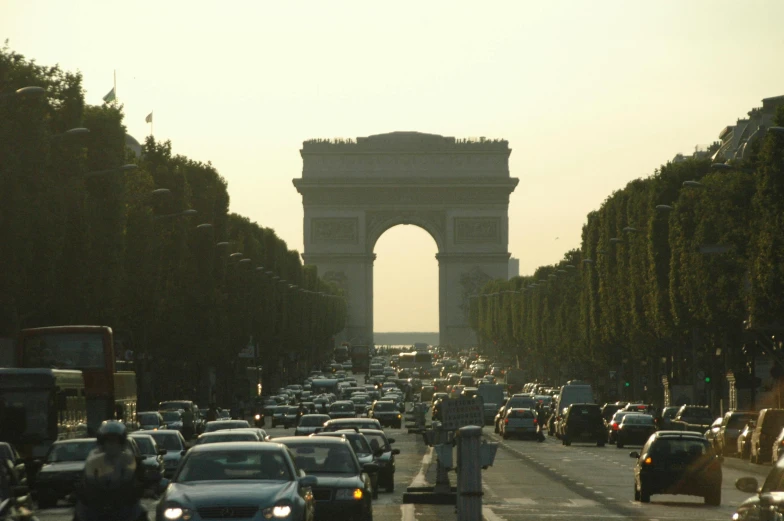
[379, 221]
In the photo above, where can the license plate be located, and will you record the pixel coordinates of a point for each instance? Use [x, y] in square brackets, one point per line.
[678, 467]
[586, 435]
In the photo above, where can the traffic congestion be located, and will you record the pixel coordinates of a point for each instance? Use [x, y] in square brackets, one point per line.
[327, 448]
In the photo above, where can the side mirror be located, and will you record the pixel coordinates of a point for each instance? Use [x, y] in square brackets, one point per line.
[370, 468]
[182, 452]
[748, 485]
[162, 452]
[634, 454]
[395, 452]
[390, 440]
[308, 481]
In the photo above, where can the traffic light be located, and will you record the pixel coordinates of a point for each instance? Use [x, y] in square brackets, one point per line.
[707, 379]
[627, 383]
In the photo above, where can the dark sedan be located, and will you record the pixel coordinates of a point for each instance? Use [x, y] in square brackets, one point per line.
[62, 469]
[342, 409]
[344, 488]
[677, 462]
[351, 423]
[635, 429]
[387, 413]
[154, 468]
[238, 480]
[384, 457]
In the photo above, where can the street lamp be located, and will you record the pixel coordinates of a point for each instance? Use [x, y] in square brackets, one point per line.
[664, 208]
[616, 240]
[692, 184]
[24, 92]
[161, 191]
[221, 244]
[204, 226]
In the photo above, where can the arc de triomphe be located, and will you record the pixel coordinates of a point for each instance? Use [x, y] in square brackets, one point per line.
[456, 190]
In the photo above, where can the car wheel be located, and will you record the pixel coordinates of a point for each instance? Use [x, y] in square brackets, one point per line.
[714, 498]
[636, 492]
[645, 496]
[46, 501]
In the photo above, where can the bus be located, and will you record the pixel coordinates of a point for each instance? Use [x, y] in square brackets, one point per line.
[360, 359]
[41, 406]
[110, 394]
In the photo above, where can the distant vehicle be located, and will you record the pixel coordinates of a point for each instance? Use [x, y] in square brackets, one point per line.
[360, 359]
[110, 394]
[341, 354]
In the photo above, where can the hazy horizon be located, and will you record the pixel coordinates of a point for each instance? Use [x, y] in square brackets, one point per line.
[590, 95]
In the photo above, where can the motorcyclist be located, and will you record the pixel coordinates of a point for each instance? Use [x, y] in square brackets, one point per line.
[113, 481]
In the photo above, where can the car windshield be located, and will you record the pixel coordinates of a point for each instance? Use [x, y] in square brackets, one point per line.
[171, 416]
[312, 420]
[232, 465]
[638, 419]
[738, 421]
[359, 444]
[147, 418]
[167, 440]
[146, 445]
[322, 458]
[70, 451]
[376, 441]
[384, 406]
[679, 448]
[341, 407]
[229, 436]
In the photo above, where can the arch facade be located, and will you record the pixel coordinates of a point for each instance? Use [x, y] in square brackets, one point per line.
[456, 190]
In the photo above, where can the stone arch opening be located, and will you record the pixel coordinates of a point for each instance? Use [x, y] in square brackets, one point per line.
[405, 281]
[456, 190]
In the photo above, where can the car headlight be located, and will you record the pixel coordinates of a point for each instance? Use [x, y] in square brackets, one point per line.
[349, 493]
[258, 416]
[399, 416]
[175, 512]
[277, 512]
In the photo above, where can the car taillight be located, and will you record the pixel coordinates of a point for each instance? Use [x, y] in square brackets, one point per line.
[536, 422]
[614, 426]
[506, 420]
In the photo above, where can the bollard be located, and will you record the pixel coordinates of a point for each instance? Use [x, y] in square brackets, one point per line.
[469, 474]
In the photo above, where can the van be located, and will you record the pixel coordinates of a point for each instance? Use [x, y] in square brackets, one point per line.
[769, 425]
[575, 391]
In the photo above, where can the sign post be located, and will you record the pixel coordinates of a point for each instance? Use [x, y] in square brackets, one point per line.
[462, 412]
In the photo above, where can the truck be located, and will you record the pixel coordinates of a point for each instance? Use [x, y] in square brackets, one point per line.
[515, 380]
[360, 359]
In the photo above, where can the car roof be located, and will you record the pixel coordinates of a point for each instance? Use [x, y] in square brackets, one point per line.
[76, 440]
[227, 431]
[680, 434]
[237, 446]
[307, 439]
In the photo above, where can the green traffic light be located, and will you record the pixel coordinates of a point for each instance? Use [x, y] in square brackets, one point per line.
[627, 384]
[707, 379]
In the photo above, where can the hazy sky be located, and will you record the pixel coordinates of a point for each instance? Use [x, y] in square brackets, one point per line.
[590, 94]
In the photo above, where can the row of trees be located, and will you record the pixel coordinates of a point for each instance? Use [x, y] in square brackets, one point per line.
[149, 249]
[678, 274]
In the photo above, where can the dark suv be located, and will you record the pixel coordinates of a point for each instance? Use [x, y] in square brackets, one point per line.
[387, 413]
[583, 422]
[677, 462]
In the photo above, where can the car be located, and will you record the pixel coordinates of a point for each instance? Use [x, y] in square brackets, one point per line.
[609, 409]
[634, 429]
[677, 462]
[583, 422]
[614, 423]
[383, 456]
[344, 490]
[731, 427]
[220, 425]
[769, 425]
[174, 444]
[154, 468]
[387, 413]
[238, 480]
[771, 494]
[150, 420]
[517, 401]
[668, 415]
[342, 409]
[744, 439]
[310, 423]
[521, 423]
[172, 419]
[361, 448]
[352, 423]
[63, 467]
[712, 433]
[227, 436]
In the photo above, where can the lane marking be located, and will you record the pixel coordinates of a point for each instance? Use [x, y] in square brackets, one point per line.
[407, 512]
[489, 515]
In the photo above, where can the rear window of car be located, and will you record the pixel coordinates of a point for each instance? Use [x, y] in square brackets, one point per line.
[676, 447]
[638, 419]
[585, 410]
[514, 413]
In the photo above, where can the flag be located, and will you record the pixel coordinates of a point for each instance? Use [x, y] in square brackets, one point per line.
[109, 97]
[148, 119]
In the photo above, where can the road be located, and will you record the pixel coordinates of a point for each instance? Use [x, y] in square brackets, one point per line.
[532, 481]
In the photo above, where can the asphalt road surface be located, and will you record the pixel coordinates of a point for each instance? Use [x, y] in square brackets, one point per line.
[531, 481]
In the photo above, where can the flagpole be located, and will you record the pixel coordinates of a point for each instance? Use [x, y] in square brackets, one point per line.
[115, 85]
